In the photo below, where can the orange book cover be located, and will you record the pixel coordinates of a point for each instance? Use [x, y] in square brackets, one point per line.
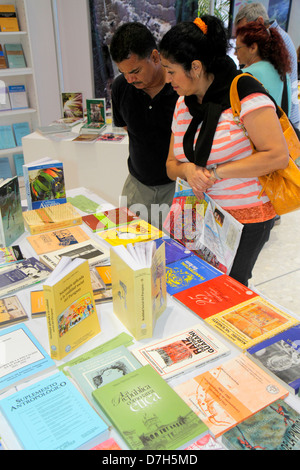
[56, 240]
[38, 307]
[227, 395]
[214, 296]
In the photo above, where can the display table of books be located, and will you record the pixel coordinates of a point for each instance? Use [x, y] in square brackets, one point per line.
[114, 336]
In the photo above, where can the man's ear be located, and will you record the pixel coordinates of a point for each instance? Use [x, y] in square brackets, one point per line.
[155, 56]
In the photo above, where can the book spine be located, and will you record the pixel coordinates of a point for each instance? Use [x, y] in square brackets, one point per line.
[50, 317]
[27, 187]
[143, 304]
[35, 229]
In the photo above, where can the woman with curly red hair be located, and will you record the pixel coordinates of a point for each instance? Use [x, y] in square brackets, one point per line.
[261, 51]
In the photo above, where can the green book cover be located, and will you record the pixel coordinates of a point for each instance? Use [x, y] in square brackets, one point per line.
[14, 55]
[148, 413]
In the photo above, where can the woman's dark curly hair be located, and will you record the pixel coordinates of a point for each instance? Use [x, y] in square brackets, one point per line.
[271, 46]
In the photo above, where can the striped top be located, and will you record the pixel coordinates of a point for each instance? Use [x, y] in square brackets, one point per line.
[239, 196]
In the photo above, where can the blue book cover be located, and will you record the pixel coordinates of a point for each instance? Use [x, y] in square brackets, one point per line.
[175, 250]
[7, 140]
[19, 162]
[187, 273]
[21, 129]
[280, 356]
[52, 415]
[276, 427]
[22, 356]
[44, 184]
[18, 96]
[5, 170]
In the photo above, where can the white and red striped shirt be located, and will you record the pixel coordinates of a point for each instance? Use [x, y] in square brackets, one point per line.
[239, 196]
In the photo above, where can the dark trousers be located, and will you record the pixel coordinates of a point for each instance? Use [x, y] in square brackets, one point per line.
[253, 238]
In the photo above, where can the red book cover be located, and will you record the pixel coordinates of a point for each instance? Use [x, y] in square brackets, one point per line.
[214, 296]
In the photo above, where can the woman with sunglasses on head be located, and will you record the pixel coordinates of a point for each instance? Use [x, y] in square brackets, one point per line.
[208, 148]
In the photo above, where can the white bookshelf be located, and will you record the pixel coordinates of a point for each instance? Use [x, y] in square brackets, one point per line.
[19, 76]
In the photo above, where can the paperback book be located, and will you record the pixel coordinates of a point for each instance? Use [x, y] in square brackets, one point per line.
[10, 255]
[109, 219]
[214, 296]
[4, 97]
[133, 232]
[88, 250]
[21, 129]
[251, 322]
[44, 183]
[14, 55]
[27, 411]
[184, 351]
[188, 272]
[22, 274]
[227, 395]
[37, 302]
[3, 64]
[175, 251]
[276, 427]
[56, 240]
[96, 116]
[280, 357]
[50, 218]
[11, 215]
[148, 413]
[70, 307]
[8, 19]
[22, 356]
[72, 104]
[139, 286]
[11, 311]
[18, 96]
[7, 139]
[102, 369]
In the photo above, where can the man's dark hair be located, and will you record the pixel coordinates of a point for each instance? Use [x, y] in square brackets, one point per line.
[132, 38]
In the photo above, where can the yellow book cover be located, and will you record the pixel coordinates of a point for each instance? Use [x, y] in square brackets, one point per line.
[136, 231]
[70, 307]
[56, 240]
[227, 395]
[139, 289]
[51, 218]
[8, 19]
[37, 301]
[251, 322]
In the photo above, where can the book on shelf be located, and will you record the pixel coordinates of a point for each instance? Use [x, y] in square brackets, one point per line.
[276, 427]
[203, 227]
[188, 272]
[51, 241]
[8, 19]
[18, 96]
[19, 162]
[136, 231]
[102, 369]
[214, 296]
[109, 219]
[89, 250]
[22, 357]
[50, 218]
[5, 104]
[44, 183]
[14, 55]
[21, 129]
[11, 216]
[226, 395]
[280, 357]
[27, 412]
[11, 311]
[251, 322]
[10, 254]
[21, 275]
[72, 105]
[5, 169]
[7, 138]
[96, 116]
[37, 303]
[142, 402]
[70, 307]
[3, 64]
[139, 286]
[181, 352]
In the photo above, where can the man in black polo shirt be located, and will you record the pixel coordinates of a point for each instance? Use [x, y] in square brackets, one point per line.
[143, 103]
